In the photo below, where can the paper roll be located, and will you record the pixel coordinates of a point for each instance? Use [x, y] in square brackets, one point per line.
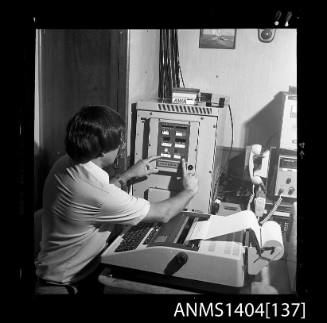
[271, 237]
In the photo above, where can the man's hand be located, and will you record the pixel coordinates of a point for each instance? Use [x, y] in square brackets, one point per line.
[190, 179]
[143, 168]
[165, 210]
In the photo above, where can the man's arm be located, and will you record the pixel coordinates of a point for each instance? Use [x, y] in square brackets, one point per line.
[165, 210]
[142, 168]
[121, 180]
[162, 211]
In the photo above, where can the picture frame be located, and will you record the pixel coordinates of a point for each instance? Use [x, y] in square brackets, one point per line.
[217, 38]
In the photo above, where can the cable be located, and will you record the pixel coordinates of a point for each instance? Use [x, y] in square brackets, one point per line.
[229, 153]
[273, 210]
[250, 201]
[161, 63]
[232, 139]
[169, 66]
[178, 63]
[176, 80]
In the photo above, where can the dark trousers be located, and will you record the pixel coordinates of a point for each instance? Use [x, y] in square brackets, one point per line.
[87, 286]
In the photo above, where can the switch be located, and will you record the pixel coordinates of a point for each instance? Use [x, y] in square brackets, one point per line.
[165, 155]
[291, 190]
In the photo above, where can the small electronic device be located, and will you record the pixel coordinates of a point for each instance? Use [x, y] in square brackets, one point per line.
[214, 99]
[286, 180]
[282, 175]
[276, 124]
[185, 95]
[288, 136]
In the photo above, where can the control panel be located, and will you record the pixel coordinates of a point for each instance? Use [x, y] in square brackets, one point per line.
[286, 181]
[173, 132]
[173, 144]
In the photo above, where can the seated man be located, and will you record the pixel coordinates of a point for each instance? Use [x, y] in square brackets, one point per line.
[82, 204]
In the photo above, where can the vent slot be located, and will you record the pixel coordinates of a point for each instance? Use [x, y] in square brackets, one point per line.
[189, 109]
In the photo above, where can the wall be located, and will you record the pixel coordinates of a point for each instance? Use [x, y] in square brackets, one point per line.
[143, 69]
[36, 94]
[252, 74]
[37, 143]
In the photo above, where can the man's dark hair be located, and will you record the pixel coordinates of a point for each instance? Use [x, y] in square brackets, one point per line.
[92, 131]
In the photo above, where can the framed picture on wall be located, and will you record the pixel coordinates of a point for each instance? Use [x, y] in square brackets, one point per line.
[217, 38]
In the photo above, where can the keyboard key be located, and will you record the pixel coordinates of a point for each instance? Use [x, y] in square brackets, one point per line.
[134, 236]
[152, 233]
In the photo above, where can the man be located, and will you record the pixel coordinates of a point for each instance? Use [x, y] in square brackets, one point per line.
[82, 204]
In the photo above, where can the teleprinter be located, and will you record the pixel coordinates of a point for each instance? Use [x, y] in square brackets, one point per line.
[168, 250]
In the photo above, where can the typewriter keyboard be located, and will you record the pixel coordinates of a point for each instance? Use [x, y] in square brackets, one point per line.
[135, 235]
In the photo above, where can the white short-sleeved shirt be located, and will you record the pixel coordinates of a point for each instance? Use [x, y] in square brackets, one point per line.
[80, 208]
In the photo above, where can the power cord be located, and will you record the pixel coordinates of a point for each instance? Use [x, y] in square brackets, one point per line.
[229, 154]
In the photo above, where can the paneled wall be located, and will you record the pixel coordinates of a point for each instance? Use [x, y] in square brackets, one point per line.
[75, 68]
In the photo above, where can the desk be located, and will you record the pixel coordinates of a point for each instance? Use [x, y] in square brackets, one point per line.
[277, 275]
[123, 286]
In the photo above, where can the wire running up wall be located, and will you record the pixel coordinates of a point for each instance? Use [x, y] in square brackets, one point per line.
[169, 66]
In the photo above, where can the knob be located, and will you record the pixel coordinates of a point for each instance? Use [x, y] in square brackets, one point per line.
[291, 190]
[190, 167]
[176, 263]
[288, 180]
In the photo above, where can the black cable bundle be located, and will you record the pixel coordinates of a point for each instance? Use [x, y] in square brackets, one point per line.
[169, 67]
